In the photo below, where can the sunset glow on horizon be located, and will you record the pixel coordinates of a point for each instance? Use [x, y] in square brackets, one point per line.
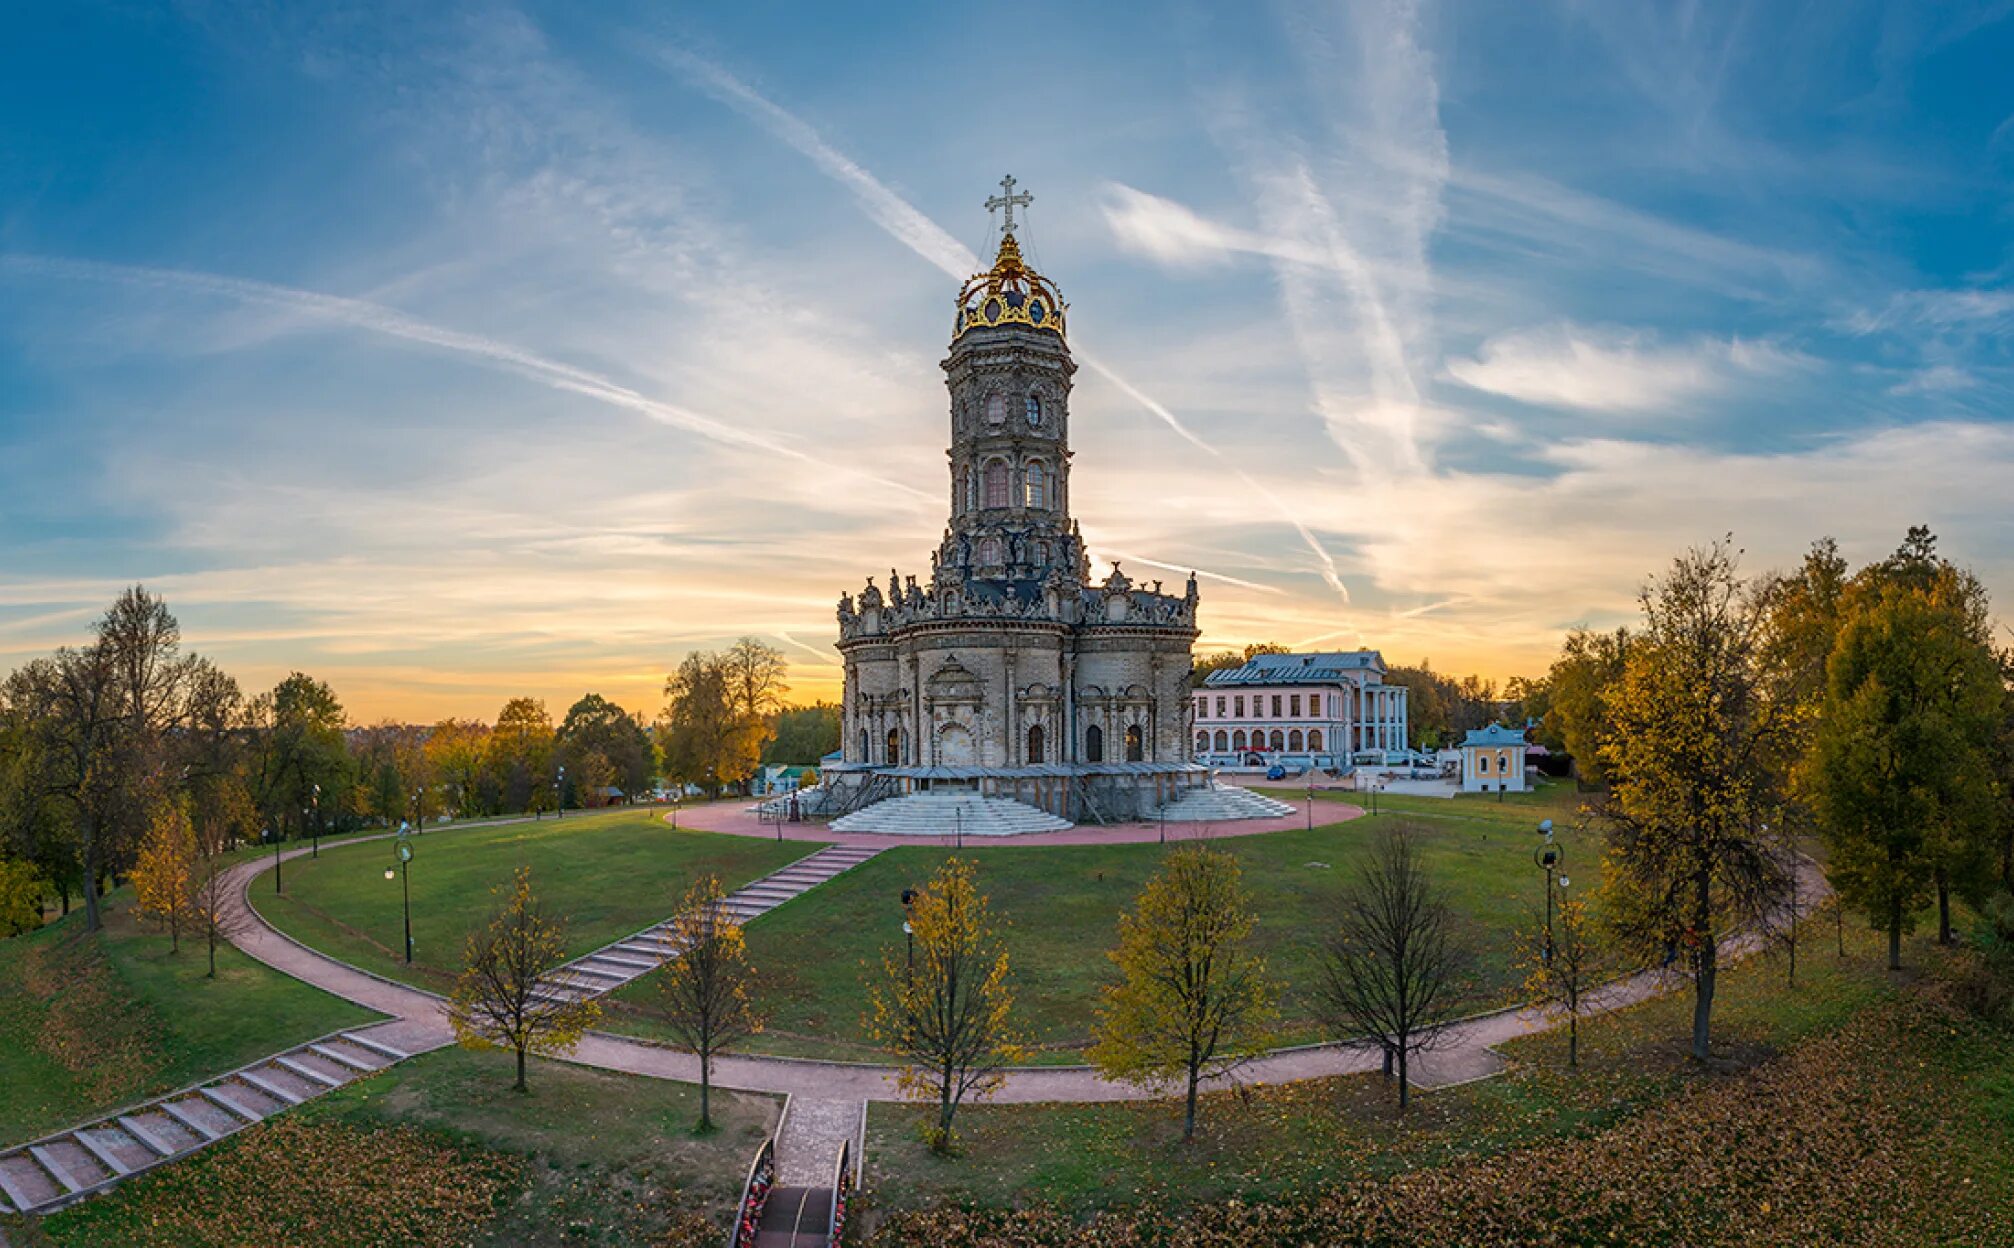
[501, 350]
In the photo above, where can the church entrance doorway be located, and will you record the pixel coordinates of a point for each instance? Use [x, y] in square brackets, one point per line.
[954, 746]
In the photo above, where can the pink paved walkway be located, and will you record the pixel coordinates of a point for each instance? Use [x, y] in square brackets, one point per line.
[734, 818]
[1465, 1049]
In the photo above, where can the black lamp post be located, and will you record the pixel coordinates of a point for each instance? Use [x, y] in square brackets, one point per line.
[559, 795]
[1311, 806]
[908, 931]
[420, 810]
[405, 856]
[276, 859]
[316, 800]
[1549, 856]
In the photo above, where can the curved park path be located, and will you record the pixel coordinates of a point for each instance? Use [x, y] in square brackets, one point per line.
[418, 1019]
[825, 1104]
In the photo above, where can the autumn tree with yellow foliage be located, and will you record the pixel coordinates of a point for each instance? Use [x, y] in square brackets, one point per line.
[508, 995]
[1698, 754]
[707, 989]
[1562, 962]
[1193, 1000]
[164, 875]
[944, 1007]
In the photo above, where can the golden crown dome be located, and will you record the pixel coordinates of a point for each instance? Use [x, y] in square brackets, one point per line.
[1010, 293]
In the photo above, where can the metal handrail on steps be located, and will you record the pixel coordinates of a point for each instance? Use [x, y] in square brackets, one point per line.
[842, 1187]
[754, 1195]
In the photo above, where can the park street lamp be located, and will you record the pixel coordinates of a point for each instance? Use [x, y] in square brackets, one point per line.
[1549, 856]
[404, 851]
[275, 837]
[559, 795]
[908, 930]
[316, 800]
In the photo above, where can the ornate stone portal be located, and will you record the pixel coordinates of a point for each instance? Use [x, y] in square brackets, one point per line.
[1009, 670]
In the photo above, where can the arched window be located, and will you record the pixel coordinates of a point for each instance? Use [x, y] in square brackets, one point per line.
[1483, 763]
[996, 408]
[1037, 494]
[989, 552]
[1279, 740]
[1238, 740]
[1202, 743]
[894, 747]
[1223, 741]
[1034, 409]
[1136, 744]
[1314, 738]
[1294, 741]
[996, 483]
[1035, 743]
[1094, 744]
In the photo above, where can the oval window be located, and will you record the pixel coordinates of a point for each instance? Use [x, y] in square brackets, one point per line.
[1034, 409]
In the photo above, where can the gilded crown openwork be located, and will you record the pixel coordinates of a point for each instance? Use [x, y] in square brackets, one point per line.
[1010, 293]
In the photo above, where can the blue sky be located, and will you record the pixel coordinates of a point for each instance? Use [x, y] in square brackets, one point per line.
[456, 351]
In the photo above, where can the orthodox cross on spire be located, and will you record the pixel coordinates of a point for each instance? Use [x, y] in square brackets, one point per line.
[1008, 200]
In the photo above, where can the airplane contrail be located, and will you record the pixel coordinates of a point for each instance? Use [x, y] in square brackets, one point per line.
[377, 318]
[909, 226]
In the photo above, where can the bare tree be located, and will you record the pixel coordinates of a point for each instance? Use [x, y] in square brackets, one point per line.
[1389, 970]
[508, 996]
[706, 988]
[227, 817]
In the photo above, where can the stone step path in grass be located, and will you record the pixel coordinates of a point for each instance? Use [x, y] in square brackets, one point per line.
[57, 1170]
[632, 957]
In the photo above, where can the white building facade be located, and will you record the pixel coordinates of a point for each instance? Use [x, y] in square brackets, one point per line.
[1328, 710]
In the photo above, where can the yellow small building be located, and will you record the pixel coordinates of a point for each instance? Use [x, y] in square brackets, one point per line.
[1493, 760]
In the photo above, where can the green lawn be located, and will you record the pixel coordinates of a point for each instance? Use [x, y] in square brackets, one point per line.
[440, 1151]
[1305, 1141]
[92, 1023]
[607, 874]
[1062, 905]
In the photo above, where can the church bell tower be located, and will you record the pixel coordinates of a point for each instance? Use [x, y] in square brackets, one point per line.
[1009, 376]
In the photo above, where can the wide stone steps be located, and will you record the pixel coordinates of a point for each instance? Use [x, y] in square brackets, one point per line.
[1221, 804]
[611, 966]
[796, 1217]
[950, 814]
[47, 1174]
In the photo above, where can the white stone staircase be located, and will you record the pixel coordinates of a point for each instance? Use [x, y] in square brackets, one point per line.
[632, 957]
[949, 814]
[1221, 803]
[57, 1170]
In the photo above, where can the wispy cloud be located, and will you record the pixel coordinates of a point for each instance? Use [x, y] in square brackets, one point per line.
[377, 319]
[1605, 369]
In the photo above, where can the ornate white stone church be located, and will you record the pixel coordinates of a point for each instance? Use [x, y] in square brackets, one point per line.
[1008, 672]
